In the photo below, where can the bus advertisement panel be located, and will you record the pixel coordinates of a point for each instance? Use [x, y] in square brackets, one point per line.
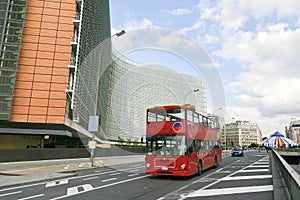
[180, 141]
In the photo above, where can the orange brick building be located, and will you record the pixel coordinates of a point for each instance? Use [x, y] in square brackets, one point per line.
[35, 69]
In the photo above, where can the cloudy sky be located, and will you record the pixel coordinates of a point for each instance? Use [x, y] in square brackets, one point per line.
[254, 44]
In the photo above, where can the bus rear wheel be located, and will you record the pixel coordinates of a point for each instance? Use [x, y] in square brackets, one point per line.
[199, 167]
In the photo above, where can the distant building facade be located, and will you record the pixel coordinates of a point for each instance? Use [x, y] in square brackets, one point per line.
[293, 131]
[241, 133]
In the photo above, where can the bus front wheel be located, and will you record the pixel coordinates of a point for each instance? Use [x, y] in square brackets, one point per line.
[199, 167]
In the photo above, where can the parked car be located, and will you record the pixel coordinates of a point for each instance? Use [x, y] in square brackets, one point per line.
[237, 151]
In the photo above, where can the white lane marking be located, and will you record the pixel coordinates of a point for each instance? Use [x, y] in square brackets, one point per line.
[234, 190]
[253, 170]
[258, 166]
[132, 175]
[100, 171]
[127, 169]
[11, 193]
[32, 197]
[55, 183]
[110, 179]
[91, 178]
[115, 174]
[262, 163]
[75, 190]
[104, 186]
[246, 177]
[134, 170]
[44, 182]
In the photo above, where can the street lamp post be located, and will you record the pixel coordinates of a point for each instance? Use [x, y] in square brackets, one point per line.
[98, 78]
[194, 90]
[225, 132]
[94, 120]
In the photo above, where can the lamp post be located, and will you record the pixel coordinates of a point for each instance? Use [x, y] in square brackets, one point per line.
[98, 78]
[225, 132]
[194, 90]
[94, 120]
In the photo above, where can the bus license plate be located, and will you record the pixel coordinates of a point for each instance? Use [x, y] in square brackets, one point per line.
[164, 168]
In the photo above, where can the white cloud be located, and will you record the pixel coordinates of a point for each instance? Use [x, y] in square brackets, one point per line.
[181, 11]
[135, 24]
[262, 38]
[269, 52]
[270, 94]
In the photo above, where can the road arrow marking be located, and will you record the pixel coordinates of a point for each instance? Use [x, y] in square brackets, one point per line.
[55, 183]
[79, 189]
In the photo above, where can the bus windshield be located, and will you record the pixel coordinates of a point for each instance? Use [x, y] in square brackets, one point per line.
[173, 114]
[173, 145]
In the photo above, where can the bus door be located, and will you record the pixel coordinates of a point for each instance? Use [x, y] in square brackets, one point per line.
[206, 153]
[194, 148]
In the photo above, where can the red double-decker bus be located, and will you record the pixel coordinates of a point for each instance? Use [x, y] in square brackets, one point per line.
[180, 141]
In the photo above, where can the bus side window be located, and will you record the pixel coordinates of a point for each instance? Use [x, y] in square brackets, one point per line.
[200, 120]
[192, 146]
[202, 145]
[210, 123]
[197, 145]
[196, 118]
[206, 145]
[204, 121]
[190, 115]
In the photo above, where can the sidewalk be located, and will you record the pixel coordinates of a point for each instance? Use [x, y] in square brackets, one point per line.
[15, 173]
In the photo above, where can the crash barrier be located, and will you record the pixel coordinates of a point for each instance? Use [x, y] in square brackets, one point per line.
[290, 176]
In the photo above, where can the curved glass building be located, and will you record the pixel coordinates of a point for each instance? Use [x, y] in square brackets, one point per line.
[135, 87]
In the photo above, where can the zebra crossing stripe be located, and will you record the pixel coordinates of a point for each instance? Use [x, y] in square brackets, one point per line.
[233, 178]
[253, 170]
[234, 190]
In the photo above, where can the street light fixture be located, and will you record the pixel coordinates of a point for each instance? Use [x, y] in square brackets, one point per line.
[225, 132]
[119, 33]
[194, 90]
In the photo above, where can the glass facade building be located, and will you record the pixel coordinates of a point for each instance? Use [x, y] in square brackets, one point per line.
[135, 87]
[12, 17]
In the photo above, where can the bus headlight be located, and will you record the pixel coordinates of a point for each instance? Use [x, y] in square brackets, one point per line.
[182, 166]
[148, 165]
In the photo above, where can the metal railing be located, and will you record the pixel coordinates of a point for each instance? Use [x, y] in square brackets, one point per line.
[290, 176]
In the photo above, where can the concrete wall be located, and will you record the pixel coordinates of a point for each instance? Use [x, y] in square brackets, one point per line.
[11, 155]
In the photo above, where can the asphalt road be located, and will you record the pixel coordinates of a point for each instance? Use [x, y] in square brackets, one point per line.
[236, 178]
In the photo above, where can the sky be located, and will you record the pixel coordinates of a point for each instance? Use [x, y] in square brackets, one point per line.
[254, 45]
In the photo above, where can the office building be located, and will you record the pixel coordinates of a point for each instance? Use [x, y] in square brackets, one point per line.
[241, 133]
[293, 131]
[43, 45]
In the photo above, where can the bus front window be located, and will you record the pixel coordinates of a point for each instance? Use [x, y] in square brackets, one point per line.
[166, 145]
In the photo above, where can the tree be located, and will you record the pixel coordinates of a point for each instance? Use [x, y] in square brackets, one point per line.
[253, 145]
